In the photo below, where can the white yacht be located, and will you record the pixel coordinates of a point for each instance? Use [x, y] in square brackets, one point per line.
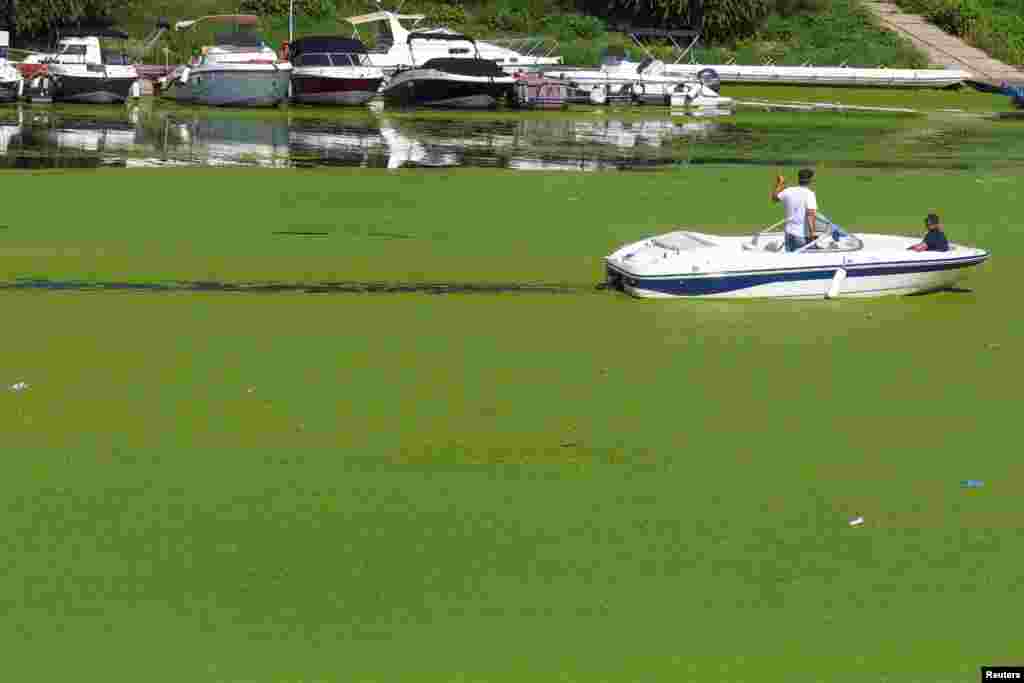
[80, 71]
[392, 50]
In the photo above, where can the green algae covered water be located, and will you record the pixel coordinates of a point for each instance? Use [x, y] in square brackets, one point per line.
[357, 424]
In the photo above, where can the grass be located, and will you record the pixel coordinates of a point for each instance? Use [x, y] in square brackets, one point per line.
[571, 486]
[995, 26]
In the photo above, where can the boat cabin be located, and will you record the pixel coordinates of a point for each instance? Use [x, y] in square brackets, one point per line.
[320, 51]
[88, 50]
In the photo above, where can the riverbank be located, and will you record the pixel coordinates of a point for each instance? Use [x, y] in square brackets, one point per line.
[844, 33]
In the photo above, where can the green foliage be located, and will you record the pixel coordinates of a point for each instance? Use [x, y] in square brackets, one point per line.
[35, 18]
[846, 34]
[788, 8]
[574, 26]
[996, 26]
[309, 8]
[445, 14]
[510, 16]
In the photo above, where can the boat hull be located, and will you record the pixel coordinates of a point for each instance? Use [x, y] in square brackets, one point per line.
[862, 280]
[9, 90]
[90, 89]
[231, 88]
[441, 92]
[337, 91]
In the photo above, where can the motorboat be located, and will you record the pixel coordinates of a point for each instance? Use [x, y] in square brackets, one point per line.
[332, 70]
[11, 81]
[81, 71]
[450, 82]
[619, 80]
[392, 52]
[240, 70]
[687, 263]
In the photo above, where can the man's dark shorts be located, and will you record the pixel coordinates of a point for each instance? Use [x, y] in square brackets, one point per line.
[936, 241]
[793, 243]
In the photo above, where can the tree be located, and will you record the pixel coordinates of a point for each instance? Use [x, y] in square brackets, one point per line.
[35, 19]
[718, 20]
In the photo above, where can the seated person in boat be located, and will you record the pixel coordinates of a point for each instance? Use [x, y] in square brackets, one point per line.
[934, 239]
[801, 207]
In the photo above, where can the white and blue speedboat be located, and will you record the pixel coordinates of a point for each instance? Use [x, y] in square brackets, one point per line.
[686, 263]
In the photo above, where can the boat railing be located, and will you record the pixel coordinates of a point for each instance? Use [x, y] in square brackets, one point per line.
[528, 46]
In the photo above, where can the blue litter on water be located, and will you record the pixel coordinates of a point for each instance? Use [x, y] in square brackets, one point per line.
[972, 484]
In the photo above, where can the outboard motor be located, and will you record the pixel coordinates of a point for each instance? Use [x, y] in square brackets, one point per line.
[709, 77]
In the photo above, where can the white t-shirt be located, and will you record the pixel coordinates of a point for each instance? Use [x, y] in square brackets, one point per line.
[796, 201]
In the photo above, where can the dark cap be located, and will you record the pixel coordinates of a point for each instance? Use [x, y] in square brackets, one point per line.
[931, 219]
[805, 175]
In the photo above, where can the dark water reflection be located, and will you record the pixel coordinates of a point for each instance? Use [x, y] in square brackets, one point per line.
[35, 137]
[44, 137]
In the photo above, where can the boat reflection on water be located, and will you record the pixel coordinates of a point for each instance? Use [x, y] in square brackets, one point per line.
[224, 141]
[44, 138]
[159, 137]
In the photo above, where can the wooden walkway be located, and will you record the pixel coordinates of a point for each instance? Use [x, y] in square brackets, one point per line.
[943, 49]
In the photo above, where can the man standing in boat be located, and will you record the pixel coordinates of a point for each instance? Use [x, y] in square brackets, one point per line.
[801, 207]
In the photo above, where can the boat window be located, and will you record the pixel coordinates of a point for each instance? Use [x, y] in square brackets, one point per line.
[458, 50]
[115, 58]
[344, 59]
[314, 60]
[73, 50]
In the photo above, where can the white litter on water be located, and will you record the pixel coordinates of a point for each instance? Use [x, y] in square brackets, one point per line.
[19, 386]
[856, 521]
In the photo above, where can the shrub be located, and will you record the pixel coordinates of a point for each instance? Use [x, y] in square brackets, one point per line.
[510, 15]
[574, 26]
[309, 8]
[445, 14]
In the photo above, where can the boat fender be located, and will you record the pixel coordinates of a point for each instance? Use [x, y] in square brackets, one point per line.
[184, 76]
[837, 284]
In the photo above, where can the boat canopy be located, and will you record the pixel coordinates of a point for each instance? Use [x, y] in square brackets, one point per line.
[431, 35]
[383, 16]
[334, 44]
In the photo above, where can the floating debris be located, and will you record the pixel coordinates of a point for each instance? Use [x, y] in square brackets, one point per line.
[856, 521]
[972, 483]
[19, 386]
[993, 347]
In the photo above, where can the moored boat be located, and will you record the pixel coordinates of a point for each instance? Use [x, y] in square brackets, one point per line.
[392, 52]
[332, 70]
[240, 70]
[687, 263]
[461, 82]
[81, 71]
